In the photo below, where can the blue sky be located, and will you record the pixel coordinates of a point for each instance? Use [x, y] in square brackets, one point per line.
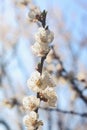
[70, 8]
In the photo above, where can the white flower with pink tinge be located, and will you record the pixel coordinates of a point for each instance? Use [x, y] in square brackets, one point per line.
[40, 49]
[31, 121]
[31, 103]
[38, 82]
[51, 96]
[44, 36]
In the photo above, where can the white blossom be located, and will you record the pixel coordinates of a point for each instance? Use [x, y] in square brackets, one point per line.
[51, 96]
[31, 121]
[34, 11]
[31, 103]
[34, 81]
[48, 79]
[40, 49]
[44, 36]
[38, 82]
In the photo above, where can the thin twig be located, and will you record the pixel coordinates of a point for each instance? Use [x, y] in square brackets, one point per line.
[5, 124]
[66, 112]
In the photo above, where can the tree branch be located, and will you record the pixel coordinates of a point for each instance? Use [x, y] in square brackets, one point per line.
[66, 112]
[72, 79]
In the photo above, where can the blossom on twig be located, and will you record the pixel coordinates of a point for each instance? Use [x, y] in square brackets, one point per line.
[38, 82]
[31, 103]
[43, 37]
[33, 14]
[31, 121]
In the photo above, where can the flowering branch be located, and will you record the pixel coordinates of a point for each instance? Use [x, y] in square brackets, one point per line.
[13, 102]
[41, 82]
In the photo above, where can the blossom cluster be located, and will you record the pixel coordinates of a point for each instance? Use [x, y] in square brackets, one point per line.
[40, 82]
[43, 38]
[44, 85]
[31, 121]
